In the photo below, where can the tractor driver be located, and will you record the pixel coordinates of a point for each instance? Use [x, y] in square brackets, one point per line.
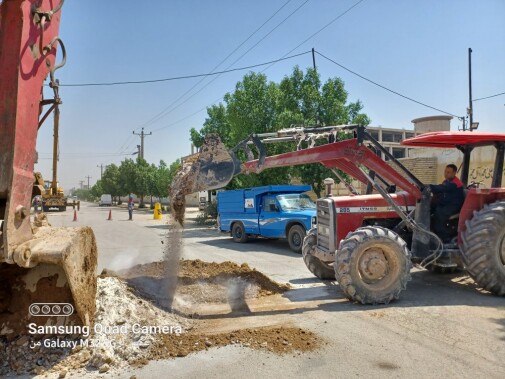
[447, 201]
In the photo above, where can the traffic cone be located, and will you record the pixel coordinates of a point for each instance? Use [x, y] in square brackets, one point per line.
[75, 215]
[110, 215]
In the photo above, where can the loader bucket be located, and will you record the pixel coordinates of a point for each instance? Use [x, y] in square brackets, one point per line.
[52, 281]
[211, 168]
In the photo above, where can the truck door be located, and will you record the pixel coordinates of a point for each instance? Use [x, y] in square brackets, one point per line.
[270, 220]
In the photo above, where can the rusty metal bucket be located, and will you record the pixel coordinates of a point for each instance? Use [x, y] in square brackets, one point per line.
[51, 282]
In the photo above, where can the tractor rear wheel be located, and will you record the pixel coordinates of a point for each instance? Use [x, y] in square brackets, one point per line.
[373, 265]
[483, 247]
[320, 269]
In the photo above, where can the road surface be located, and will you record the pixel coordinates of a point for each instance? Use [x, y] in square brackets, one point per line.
[442, 326]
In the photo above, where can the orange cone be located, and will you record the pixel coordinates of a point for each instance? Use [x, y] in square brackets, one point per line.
[75, 215]
[110, 215]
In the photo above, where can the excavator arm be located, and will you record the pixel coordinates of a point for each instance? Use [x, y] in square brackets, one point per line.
[39, 265]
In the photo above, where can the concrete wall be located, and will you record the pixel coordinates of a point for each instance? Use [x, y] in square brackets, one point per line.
[432, 124]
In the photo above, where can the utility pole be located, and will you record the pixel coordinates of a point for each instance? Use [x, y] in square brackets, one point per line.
[470, 102]
[315, 70]
[88, 177]
[101, 170]
[142, 135]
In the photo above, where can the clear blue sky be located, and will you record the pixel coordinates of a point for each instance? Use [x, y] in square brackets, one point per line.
[418, 48]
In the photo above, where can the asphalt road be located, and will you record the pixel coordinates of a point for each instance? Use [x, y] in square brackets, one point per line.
[442, 326]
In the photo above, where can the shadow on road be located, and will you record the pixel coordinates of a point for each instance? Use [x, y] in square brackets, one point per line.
[260, 245]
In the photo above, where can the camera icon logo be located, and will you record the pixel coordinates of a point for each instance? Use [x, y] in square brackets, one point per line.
[51, 309]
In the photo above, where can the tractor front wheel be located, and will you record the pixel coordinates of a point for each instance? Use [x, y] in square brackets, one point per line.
[483, 247]
[373, 265]
[320, 269]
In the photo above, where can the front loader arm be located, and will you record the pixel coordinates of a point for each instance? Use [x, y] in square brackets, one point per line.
[345, 155]
[215, 166]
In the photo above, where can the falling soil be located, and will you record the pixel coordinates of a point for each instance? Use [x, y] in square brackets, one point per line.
[211, 168]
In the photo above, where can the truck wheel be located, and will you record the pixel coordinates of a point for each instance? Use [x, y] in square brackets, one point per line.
[319, 268]
[373, 265]
[296, 234]
[483, 247]
[238, 233]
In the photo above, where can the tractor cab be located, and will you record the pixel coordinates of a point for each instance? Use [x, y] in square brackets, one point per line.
[465, 142]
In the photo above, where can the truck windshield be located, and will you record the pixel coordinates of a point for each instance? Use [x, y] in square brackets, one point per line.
[295, 201]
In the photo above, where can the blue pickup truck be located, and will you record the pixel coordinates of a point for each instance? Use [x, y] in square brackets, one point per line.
[268, 211]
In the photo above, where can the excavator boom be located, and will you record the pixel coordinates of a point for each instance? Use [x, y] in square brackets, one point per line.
[39, 265]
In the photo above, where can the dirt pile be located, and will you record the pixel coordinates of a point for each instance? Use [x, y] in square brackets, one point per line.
[203, 282]
[278, 340]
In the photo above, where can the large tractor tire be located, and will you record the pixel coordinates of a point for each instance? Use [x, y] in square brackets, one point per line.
[483, 247]
[319, 268]
[296, 234]
[238, 233]
[373, 265]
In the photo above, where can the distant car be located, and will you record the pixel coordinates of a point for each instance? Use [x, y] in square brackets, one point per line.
[105, 200]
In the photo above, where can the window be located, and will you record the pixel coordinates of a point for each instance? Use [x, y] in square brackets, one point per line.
[397, 137]
[375, 134]
[295, 202]
[387, 137]
[398, 152]
[410, 135]
[270, 205]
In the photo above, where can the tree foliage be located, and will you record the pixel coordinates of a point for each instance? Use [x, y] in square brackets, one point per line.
[259, 106]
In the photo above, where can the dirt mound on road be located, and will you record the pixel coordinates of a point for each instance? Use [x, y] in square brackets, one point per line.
[203, 282]
[278, 340]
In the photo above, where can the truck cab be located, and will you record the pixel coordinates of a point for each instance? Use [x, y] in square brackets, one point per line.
[270, 211]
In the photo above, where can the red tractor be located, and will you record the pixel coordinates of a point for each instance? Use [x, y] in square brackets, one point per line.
[368, 242]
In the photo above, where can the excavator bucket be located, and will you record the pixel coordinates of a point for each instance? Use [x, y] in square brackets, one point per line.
[52, 281]
[211, 168]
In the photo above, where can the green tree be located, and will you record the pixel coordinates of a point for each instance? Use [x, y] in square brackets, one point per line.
[258, 106]
[110, 181]
[96, 191]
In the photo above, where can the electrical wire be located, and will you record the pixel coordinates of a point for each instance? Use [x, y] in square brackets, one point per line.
[325, 26]
[386, 88]
[188, 116]
[166, 112]
[161, 113]
[181, 77]
[489, 97]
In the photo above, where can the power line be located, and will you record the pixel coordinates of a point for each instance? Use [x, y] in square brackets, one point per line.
[161, 114]
[285, 56]
[385, 88]
[178, 77]
[319, 31]
[325, 26]
[488, 97]
[166, 111]
[188, 116]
